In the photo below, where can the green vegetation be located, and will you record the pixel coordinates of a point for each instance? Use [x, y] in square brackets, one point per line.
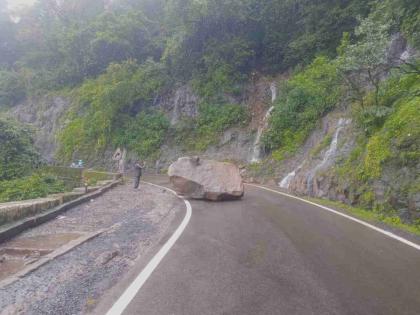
[35, 186]
[144, 134]
[390, 219]
[18, 160]
[358, 72]
[12, 89]
[17, 155]
[322, 145]
[306, 97]
[398, 139]
[119, 58]
[399, 136]
[116, 61]
[388, 143]
[364, 63]
[197, 134]
[104, 112]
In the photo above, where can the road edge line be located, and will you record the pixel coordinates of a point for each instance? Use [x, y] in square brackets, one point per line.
[125, 299]
[373, 227]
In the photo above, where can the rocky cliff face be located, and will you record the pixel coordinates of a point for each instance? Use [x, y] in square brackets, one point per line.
[47, 115]
[44, 114]
[317, 168]
[236, 144]
[307, 173]
[181, 103]
[315, 171]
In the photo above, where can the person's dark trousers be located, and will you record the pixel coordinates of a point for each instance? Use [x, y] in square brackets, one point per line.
[136, 182]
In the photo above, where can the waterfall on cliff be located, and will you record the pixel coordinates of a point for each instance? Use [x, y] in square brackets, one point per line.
[273, 89]
[256, 151]
[329, 155]
[285, 183]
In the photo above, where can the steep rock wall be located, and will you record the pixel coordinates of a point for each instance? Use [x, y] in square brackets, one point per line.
[45, 115]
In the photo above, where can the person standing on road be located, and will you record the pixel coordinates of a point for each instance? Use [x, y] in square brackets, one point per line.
[138, 170]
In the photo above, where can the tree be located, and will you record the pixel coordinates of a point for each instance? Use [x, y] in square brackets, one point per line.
[12, 90]
[18, 156]
[365, 60]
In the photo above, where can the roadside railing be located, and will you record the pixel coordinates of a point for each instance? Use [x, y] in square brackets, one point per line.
[80, 177]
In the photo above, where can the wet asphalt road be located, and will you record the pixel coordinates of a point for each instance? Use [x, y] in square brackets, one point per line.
[269, 254]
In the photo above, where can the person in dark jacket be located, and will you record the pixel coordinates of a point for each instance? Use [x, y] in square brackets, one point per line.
[138, 170]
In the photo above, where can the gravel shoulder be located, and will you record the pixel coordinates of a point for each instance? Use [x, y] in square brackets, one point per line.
[134, 221]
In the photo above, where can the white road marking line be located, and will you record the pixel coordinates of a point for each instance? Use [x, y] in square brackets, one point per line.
[387, 233]
[128, 295]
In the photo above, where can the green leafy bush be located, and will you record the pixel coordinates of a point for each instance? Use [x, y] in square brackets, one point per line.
[12, 90]
[18, 156]
[36, 186]
[396, 140]
[143, 134]
[306, 97]
[222, 67]
[103, 108]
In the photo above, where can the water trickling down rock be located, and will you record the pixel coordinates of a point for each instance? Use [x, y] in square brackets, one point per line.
[273, 89]
[256, 151]
[329, 155]
[285, 183]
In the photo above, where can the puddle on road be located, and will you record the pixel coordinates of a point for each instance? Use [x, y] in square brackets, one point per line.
[17, 254]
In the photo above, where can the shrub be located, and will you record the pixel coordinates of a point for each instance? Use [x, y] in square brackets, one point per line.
[18, 156]
[36, 186]
[144, 134]
[105, 107]
[12, 90]
[399, 138]
[306, 97]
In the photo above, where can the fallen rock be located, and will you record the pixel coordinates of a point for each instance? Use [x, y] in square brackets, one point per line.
[206, 179]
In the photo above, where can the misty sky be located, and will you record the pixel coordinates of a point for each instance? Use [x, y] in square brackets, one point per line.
[14, 4]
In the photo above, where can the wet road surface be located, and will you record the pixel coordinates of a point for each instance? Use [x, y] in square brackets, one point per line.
[269, 254]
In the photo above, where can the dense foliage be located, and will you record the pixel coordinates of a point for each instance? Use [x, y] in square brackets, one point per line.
[216, 43]
[305, 98]
[119, 57]
[390, 141]
[30, 187]
[18, 161]
[354, 76]
[106, 111]
[17, 155]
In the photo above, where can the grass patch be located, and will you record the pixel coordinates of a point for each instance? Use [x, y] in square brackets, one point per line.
[391, 220]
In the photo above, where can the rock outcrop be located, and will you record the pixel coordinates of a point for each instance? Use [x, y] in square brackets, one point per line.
[179, 104]
[206, 179]
[45, 115]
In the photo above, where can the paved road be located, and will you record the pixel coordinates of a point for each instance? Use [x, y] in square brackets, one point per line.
[269, 254]
[134, 221]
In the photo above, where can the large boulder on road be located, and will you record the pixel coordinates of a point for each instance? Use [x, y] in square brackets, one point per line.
[206, 179]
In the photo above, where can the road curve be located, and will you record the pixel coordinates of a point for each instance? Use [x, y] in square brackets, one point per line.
[270, 254]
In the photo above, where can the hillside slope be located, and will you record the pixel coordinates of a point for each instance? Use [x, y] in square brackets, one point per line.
[321, 99]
